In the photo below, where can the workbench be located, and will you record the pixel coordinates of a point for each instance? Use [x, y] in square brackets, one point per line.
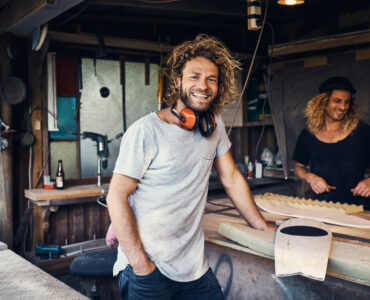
[19, 279]
[246, 274]
[73, 202]
[72, 215]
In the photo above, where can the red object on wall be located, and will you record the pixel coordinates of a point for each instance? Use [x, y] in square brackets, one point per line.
[66, 75]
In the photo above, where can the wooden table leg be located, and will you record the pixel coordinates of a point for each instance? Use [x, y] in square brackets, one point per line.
[41, 222]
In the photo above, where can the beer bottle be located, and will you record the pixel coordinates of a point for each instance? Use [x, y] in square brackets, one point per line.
[60, 176]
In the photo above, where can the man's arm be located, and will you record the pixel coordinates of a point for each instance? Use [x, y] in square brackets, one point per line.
[238, 190]
[124, 223]
[318, 184]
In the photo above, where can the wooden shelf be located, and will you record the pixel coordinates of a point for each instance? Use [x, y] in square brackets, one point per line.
[80, 191]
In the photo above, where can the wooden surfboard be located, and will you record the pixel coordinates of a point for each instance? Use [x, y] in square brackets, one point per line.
[347, 259]
[302, 247]
[277, 207]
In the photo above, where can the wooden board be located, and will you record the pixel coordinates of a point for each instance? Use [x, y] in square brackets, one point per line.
[277, 207]
[347, 260]
[19, 279]
[302, 248]
[79, 191]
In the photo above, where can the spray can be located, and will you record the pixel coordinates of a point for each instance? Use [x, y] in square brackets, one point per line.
[250, 170]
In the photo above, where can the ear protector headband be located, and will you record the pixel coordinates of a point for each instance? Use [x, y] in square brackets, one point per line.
[189, 120]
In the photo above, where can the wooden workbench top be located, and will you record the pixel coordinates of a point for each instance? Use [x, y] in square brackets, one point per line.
[215, 214]
[19, 279]
[78, 191]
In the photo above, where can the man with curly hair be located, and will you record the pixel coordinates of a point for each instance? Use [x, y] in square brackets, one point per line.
[159, 186]
[335, 145]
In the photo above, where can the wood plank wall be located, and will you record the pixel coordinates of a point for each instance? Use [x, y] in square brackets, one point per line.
[77, 223]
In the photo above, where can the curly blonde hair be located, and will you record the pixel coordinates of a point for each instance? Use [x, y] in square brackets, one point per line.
[315, 112]
[215, 51]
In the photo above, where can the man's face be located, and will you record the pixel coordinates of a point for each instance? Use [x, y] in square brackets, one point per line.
[338, 105]
[199, 84]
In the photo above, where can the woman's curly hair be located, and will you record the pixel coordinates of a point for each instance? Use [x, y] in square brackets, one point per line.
[215, 51]
[315, 113]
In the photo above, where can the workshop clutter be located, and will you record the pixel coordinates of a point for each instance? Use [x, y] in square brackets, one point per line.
[258, 104]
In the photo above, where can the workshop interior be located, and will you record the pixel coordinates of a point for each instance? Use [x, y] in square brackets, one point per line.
[76, 74]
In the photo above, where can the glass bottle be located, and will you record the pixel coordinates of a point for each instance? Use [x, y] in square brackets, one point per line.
[60, 176]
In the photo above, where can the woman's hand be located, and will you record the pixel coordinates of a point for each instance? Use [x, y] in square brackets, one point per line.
[362, 188]
[318, 184]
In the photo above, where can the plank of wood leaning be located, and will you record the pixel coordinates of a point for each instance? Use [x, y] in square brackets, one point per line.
[79, 191]
[349, 260]
[19, 279]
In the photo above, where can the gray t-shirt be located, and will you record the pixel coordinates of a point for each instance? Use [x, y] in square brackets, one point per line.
[173, 167]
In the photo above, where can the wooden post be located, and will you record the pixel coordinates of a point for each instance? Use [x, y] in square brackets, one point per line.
[6, 171]
[37, 59]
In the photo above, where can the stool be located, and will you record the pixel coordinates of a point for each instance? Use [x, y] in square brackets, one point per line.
[94, 264]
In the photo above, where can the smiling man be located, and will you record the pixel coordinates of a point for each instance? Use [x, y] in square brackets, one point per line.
[159, 187]
[335, 145]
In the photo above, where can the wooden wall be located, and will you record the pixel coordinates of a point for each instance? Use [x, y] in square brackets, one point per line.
[77, 223]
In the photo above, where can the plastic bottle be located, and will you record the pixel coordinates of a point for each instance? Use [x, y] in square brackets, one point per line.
[60, 176]
[250, 170]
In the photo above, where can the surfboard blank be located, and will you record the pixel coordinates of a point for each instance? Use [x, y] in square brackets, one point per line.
[280, 208]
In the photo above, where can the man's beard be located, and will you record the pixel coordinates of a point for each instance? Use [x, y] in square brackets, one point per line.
[185, 99]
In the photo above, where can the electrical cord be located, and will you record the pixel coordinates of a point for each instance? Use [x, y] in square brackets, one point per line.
[30, 168]
[226, 207]
[53, 115]
[267, 85]
[250, 68]
[98, 199]
[219, 204]
[43, 167]
[48, 154]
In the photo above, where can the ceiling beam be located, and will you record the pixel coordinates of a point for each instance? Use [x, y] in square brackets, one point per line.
[142, 19]
[232, 8]
[17, 11]
[109, 41]
[22, 16]
[321, 43]
[119, 42]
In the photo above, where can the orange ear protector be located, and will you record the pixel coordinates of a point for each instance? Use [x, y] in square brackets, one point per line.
[189, 120]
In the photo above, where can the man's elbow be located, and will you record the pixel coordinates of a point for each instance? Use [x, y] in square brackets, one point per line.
[229, 182]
